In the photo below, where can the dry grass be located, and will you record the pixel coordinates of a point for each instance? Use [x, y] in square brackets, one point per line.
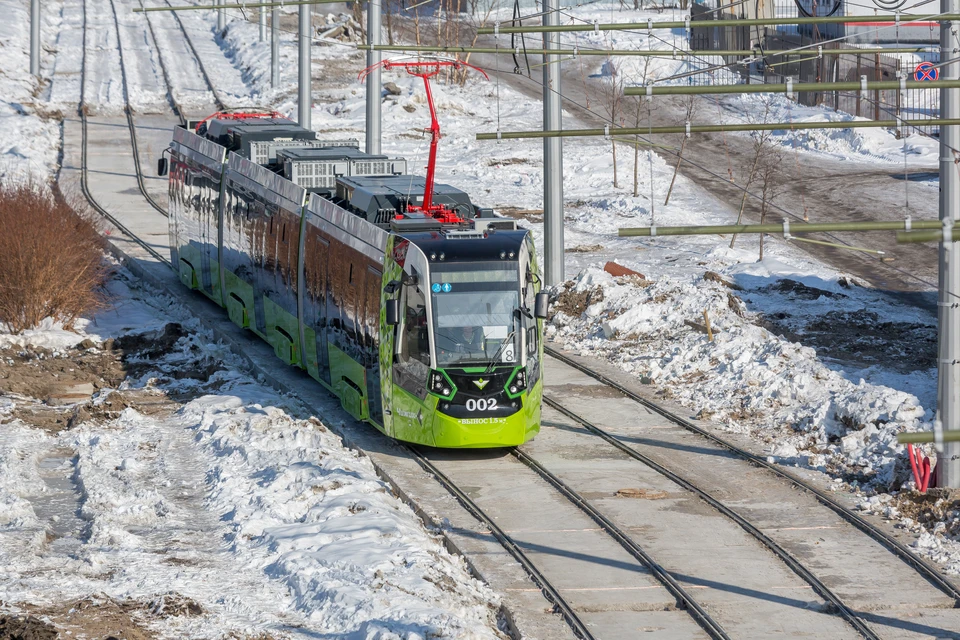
[51, 258]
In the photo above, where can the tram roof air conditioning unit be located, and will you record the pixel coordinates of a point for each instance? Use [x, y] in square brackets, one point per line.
[318, 168]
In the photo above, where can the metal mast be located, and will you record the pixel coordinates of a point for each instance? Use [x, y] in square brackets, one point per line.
[221, 17]
[948, 392]
[303, 99]
[373, 80]
[262, 16]
[275, 47]
[35, 38]
[553, 153]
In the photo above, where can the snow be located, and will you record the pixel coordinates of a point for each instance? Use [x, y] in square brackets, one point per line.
[286, 486]
[237, 483]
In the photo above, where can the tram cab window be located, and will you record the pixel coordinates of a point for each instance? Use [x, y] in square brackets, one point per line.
[415, 344]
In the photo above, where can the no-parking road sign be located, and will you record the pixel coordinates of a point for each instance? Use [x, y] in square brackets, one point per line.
[926, 71]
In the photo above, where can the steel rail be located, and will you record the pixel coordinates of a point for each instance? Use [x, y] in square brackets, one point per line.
[925, 569]
[220, 104]
[549, 591]
[684, 600]
[805, 574]
[130, 123]
[177, 110]
[84, 188]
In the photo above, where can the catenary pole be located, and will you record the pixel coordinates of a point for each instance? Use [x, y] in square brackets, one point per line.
[373, 79]
[221, 16]
[262, 18]
[304, 92]
[275, 47]
[552, 154]
[35, 38]
[948, 388]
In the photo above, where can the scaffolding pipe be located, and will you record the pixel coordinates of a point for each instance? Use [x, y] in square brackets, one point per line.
[740, 22]
[926, 236]
[654, 53]
[222, 7]
[374, 88]
[304, 92]
[715, 128]
[780, 228]
[928, 437]
[796, 87]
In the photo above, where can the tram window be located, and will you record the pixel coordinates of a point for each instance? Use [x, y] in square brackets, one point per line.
[532, 340]
[416, 345]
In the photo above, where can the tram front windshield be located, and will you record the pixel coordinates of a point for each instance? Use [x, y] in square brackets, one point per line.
[474, 314]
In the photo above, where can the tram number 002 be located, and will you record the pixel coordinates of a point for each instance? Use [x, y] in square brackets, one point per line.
[483, 404]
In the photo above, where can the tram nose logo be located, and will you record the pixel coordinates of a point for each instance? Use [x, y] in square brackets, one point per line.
[481, 383]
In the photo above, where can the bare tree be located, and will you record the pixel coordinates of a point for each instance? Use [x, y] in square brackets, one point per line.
[691, 101]
[769, 172]
[612, 100]
[762, 140]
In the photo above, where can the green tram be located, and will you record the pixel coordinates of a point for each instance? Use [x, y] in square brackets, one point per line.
[425, 322]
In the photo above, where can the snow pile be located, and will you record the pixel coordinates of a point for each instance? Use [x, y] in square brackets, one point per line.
[28, 142]
[259, 518]
[747, 378]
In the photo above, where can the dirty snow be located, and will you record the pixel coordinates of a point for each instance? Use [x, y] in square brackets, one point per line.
[228, 498]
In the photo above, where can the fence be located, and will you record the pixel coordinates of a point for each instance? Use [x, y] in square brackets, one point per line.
[919, 104]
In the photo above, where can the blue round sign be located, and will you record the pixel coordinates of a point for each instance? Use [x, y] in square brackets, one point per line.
[447, 287]
[436, 287]
[926, 72]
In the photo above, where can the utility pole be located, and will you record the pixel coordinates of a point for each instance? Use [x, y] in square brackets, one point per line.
[262, 15]
[948, 390]
[553, 153]
[373, 79]
[35, 38]
[221, 17]
[305, 92]
[275, 47]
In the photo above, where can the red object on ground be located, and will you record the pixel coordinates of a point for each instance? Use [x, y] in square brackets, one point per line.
[617, 270]
[427, 69]
[239, 115]
[920, 464]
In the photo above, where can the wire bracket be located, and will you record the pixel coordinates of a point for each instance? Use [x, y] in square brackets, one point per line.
[649, 89]
[786, 230]
[649, 25]
[686, 23]
[596, 26]
[496, 29]
[686, 126]
[863, 83]
[938, 435]
[947, 233]
[606, 132]
[907, 223]
[499, 136]
[653, 231]
[819, 51]
[789, 87]
[903, 84]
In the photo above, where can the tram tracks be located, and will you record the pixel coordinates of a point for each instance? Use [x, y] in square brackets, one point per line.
[921, 566]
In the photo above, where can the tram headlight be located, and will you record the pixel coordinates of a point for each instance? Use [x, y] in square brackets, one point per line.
[517, 384]
[439, 384]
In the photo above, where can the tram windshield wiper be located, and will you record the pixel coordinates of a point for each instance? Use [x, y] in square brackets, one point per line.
[503, 345]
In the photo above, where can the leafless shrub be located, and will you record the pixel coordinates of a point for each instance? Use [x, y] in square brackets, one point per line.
[51, 258]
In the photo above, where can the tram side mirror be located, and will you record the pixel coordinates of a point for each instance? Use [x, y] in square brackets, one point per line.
[392, 311]
[162, 167]
[541, 305]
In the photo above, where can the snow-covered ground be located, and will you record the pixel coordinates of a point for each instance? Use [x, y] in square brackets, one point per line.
[826, 410]
[193, 483]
